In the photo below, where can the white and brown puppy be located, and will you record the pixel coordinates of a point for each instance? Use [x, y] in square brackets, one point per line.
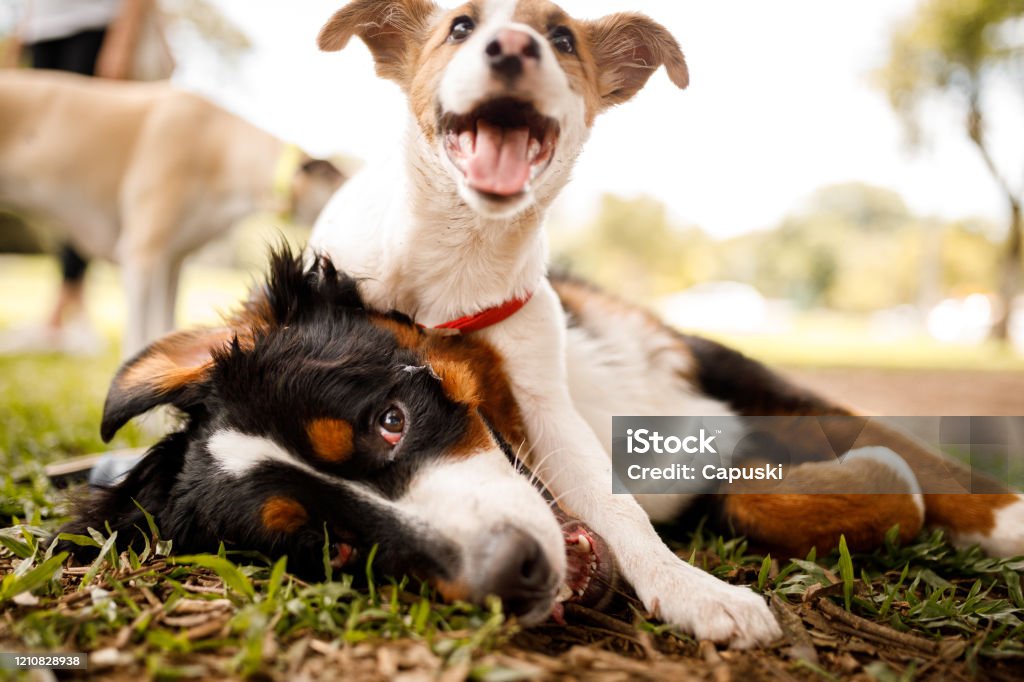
[141, 174]
[502, 96]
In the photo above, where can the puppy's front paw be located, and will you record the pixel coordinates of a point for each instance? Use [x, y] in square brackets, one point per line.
[708, 608]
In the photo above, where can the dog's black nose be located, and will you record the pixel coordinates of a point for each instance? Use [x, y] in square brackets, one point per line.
[517, 572]
[510, 52]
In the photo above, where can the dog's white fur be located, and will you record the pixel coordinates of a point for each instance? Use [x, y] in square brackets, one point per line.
[427, 244]
[454, 497]
[141, 174]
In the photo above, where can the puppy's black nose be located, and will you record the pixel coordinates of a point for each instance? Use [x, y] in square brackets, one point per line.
[511, 52]
[517, 572]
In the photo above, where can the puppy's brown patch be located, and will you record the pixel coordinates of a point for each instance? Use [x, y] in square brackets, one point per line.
[407, 335]
[458, 380]
[175, 361]
[791, 524]
[486, 367]
[283, 515]
[331, 439]
[966, 513]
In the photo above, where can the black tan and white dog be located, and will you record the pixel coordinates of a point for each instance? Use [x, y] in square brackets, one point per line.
[502, 95]
[310, 413]
[143, 174]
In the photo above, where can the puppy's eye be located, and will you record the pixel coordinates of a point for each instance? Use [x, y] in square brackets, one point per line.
[563, 40]
[462, 27]
[392, 425]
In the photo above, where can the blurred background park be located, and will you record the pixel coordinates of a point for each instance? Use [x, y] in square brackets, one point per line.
[837, 193]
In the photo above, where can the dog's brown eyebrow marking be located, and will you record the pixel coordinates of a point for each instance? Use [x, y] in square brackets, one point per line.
[458, 380]
[331, 439]
[283, 515]
[407, 335]
[557, 18]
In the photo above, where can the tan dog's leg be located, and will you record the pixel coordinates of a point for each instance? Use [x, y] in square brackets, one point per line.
[151, 293]
[151, 263]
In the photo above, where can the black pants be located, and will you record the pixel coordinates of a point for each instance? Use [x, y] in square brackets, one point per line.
[76, 53]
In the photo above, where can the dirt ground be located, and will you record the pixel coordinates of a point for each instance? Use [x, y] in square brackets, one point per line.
[918, 392]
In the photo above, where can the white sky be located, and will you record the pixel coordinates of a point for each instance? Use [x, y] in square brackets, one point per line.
[780, 104]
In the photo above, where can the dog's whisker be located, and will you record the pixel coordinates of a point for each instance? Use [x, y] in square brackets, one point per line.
[555, 500]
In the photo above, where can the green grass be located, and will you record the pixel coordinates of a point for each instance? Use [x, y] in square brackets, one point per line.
[156, 615]
[239, 614]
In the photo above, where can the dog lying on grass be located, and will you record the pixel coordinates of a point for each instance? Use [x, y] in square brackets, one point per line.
[310, 418]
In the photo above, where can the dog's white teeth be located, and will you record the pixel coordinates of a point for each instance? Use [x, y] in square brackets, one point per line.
[584, 543]
[579, 592]
[533, 150]
[593, 565]
[564, 593]
[467, 142]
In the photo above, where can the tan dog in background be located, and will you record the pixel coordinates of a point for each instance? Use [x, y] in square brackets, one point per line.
[142, 174]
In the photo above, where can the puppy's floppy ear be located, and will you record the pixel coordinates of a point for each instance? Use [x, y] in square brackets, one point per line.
[628, 48]
[390, 28]
[164, 373]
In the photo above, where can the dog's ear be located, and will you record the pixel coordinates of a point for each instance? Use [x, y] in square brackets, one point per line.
[322, 169]
[628, 48]
[170, 371]
[150, 483]
[390, 28]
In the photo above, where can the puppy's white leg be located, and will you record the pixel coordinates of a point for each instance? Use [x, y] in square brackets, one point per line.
[581, 477]
[570, 460]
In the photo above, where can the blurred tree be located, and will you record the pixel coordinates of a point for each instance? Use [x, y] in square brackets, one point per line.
[956, 49]
[632, 248]
[851, 247]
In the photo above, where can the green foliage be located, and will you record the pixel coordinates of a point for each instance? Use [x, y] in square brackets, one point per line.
[948, 45]
[633, 248]
[853, 248]
[846, 571]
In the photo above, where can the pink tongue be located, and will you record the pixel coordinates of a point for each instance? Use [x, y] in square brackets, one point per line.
[498, 164]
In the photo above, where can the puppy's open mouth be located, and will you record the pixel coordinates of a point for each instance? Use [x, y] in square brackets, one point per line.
[591, 576]
[500, 146]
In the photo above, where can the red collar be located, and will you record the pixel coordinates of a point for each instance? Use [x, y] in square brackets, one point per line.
[486, 318]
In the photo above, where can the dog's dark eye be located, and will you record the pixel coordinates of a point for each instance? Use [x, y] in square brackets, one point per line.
[392, 425]
[563, 40]
[462, 27]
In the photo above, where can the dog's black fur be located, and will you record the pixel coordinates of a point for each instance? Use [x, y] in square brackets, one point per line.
[315, 354]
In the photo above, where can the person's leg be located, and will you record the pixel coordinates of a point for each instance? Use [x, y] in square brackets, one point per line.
[81, 50]
[77, 54]
[71, 298]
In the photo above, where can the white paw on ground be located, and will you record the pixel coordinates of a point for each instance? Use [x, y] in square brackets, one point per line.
[708, 608]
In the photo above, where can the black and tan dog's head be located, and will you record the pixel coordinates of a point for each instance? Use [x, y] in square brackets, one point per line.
[310, 413]
[504, 92]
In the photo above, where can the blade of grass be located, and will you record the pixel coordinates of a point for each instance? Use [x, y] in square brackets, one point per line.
[846, 571]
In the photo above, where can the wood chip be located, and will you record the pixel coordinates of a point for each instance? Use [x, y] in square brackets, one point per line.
[875, 631]
[210, 628]
[190, 606]
[801, 647]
